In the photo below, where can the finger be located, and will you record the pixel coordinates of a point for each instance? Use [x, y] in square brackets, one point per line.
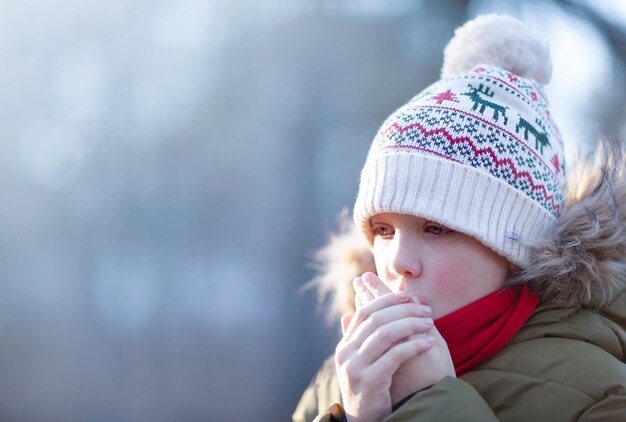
[390, 361]
[439, 340]
[364, 312]
[362, 292]
[375, 285]
[386, 315]
[386, 337]
[357, 302]
[345, 320]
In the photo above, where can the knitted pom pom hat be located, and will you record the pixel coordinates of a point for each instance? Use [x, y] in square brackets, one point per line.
[477, 151]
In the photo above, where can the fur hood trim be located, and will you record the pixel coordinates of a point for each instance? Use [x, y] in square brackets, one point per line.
[346, 256]
[583, 261]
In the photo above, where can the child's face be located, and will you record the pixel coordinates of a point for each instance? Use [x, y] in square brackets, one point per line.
[445, 269]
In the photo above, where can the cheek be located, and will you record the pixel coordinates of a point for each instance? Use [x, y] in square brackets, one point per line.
[451, 280]
[465, 278]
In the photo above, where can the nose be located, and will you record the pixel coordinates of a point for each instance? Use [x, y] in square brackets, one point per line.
[405, 259]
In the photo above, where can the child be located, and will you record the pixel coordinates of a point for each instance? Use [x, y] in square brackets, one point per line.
[498, 295]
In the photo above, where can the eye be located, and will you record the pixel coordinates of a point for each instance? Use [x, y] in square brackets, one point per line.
[382, 230]
[437, 230]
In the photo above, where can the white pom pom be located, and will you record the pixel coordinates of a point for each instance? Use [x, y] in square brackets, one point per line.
[498, 40]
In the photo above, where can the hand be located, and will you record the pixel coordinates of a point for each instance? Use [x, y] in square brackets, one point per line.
[375, 343]
[422, 370]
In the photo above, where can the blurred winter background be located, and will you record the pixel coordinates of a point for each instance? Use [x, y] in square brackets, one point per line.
[169, 167]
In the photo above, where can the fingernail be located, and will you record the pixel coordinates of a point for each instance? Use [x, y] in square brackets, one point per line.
[429, 322]
[367, 277]
[414, 299]
[426, 309]
[402, 295]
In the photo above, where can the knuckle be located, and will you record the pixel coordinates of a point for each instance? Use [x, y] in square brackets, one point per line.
[418, 323]
[415, 310]
[382, 335]
[352, 368]
[360, 315]
[341, 354]
[340, 350]
[399, 351]
[367, 324]
[374, 320]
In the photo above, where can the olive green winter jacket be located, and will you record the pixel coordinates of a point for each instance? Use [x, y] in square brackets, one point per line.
[565, 364]
[568, 362]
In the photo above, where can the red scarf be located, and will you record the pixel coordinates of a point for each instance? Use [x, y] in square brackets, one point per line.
[481, 329]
